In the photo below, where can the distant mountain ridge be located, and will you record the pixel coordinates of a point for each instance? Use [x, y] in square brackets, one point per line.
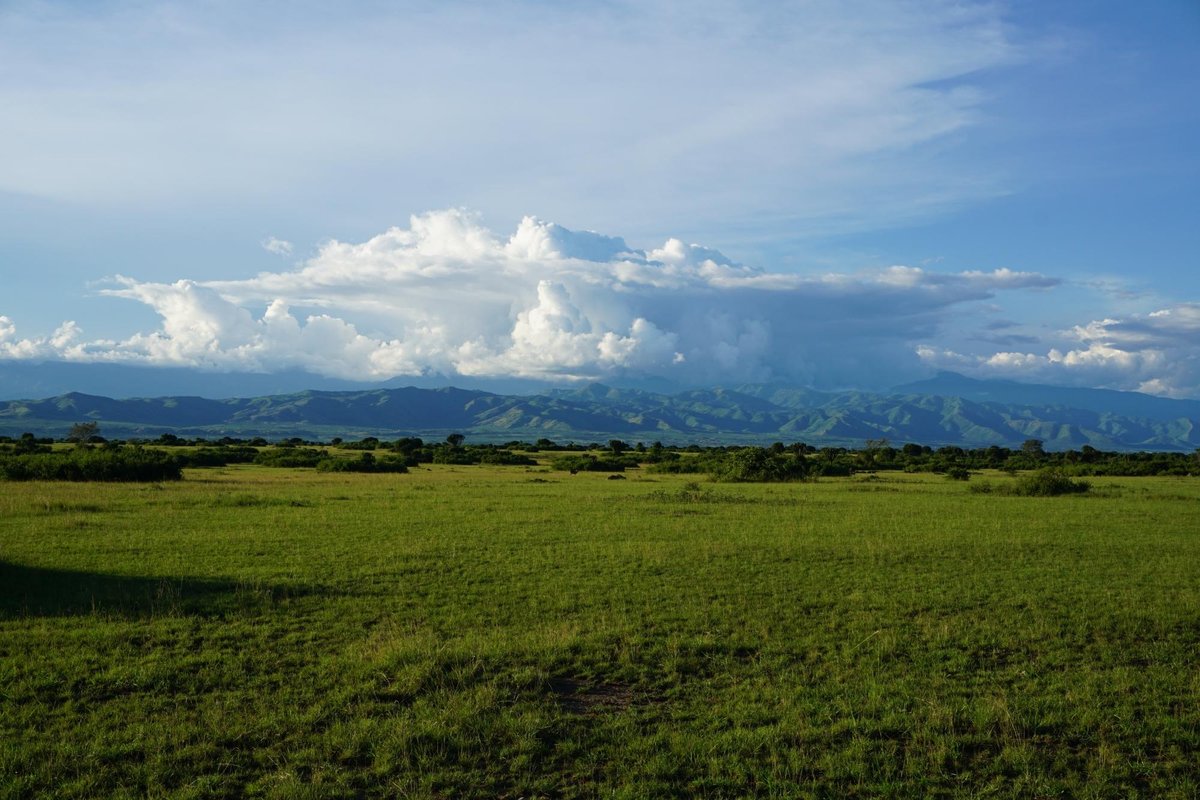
[1130, 404]
[976, 414]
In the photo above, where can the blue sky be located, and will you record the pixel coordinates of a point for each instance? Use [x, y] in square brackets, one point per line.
[875, 190]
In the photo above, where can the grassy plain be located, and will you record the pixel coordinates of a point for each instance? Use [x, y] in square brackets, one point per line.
[504, 632]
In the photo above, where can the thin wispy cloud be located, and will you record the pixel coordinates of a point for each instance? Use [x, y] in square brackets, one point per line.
[687, 114]
[279, 247]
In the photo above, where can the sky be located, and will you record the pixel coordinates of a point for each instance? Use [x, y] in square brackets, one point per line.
[835, 194]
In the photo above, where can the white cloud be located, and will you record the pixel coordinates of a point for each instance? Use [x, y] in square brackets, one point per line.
[279, 247]
[619, 113]
[57, 345]
[446, 295]
[1158, 352]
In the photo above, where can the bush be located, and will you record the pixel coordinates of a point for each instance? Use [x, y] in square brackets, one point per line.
[958, 474]
[367, 463]
[756, 464]
[832, 469]
[458, 456]
[27, 444]
[291, 457]
[505, 458]
[680, 466]
[133, 464]
[216, 456]
[1048, 482]
[587, 463]
[369, 443]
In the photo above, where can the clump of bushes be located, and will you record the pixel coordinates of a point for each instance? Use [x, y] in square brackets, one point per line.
[1045, 482]
[680, 466]
[217, 456]
[365, 463]
[456, 456]
[1048, 482]
[505, 458]
[759, 465]
[291, 457]
[588, 463]
[25, 445]
[132, 464]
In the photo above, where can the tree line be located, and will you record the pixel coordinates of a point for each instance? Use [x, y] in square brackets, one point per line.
[93, 457]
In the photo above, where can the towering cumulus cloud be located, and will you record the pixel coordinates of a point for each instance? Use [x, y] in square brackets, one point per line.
[448, 296]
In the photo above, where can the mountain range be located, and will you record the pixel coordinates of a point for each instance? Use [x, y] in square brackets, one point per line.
[948, 409]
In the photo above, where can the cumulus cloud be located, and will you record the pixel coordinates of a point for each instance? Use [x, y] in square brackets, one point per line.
[59, 344]
[448, 296]
[1155, 353]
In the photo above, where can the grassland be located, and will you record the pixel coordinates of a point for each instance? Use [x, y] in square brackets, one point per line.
[511, 632]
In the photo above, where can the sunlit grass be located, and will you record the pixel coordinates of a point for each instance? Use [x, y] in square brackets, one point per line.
[506, 632]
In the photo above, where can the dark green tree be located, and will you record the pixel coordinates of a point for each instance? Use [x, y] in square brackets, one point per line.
[1033, 448]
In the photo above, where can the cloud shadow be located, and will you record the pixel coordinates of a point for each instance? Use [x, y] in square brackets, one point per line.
[27, 591]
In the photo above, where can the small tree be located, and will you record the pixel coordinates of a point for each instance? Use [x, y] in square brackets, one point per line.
[1033, 448]
[83, 433]
[455, 439]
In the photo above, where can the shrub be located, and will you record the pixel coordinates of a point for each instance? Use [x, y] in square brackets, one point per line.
[1048, 482]
[369, 443]
[458, 456]
[86, 464]
[505, 458]
[756, 464]
[216, 456]
[588, 463]
[367, 463]
[291, 457]
[958, 474]
[832, 469]
[680, 466]
[27, 444]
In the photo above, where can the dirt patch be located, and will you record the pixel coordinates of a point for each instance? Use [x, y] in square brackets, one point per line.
[582, 697]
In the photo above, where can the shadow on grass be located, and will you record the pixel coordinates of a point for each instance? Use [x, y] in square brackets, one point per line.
[40, 592]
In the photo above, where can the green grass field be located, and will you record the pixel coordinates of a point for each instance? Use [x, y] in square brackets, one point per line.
[507, 632]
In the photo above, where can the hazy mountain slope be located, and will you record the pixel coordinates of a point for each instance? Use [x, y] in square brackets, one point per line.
[1127, 404]
[751, 413]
